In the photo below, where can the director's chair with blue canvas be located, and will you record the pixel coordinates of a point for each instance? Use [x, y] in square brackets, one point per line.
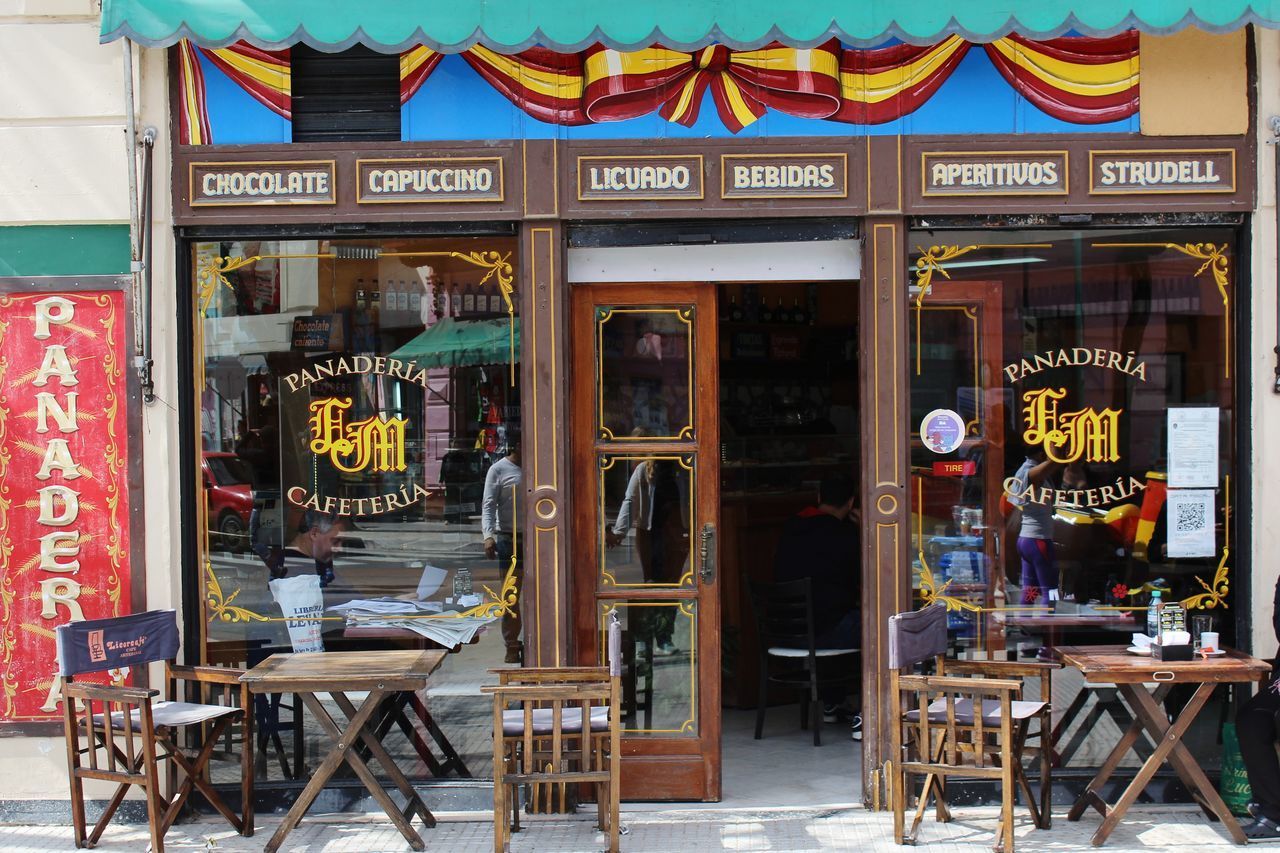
[137, 733]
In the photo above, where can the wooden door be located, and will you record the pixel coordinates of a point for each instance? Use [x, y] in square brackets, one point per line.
[645, 474]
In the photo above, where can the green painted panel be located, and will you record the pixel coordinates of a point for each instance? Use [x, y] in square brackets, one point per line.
[511, 25]
[64, 250]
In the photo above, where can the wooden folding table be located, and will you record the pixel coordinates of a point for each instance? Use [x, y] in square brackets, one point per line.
[1131, 673]
[378, 674]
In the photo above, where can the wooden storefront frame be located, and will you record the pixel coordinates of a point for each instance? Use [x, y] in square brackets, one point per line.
[883, 186]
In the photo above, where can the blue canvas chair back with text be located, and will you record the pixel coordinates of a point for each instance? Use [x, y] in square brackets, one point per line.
[99, 645]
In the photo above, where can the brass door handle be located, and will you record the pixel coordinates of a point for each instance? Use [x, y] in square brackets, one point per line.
[707, 553]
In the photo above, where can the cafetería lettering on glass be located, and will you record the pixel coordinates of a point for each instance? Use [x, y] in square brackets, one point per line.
[1068, 435]
[64, 517]
[370, 445]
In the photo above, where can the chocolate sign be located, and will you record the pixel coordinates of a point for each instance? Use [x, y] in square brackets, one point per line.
[270, 183]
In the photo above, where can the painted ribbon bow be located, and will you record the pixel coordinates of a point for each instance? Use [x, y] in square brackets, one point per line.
[744, 84]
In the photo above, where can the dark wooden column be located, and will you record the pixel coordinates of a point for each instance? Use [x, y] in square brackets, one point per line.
[543, 315]
[885, 396]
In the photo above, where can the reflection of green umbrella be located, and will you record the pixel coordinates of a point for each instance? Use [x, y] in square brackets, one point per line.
[463, 343]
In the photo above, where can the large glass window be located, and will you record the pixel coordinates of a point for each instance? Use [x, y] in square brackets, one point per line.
[360, 456]
[1072, 415]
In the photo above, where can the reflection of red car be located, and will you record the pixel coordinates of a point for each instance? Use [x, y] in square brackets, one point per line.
[228, 491]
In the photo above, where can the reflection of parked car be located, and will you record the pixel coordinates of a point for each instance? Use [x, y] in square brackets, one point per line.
[228, 490]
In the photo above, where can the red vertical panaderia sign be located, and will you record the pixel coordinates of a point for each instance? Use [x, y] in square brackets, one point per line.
[64, 496]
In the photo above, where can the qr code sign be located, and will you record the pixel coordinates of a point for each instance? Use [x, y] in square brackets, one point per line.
[1191, 517]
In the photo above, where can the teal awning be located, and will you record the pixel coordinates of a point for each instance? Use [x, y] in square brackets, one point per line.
[463, 343]
[568, 25]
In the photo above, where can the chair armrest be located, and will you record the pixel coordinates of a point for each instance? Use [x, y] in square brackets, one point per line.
[1003, 668]
[108, 692]
[553, 675]
[548, 692]
[975, 686]
[207, 674]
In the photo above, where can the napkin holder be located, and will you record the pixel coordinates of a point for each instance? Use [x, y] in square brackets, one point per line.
[1175, 652]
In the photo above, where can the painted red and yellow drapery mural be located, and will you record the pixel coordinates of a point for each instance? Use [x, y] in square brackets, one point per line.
[1075, 79]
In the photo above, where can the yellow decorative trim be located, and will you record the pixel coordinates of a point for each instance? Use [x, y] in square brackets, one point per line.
[220, 605]
[930, 592]
[1215, 593]
[1217, 262]
[212, 274]
[934, 260]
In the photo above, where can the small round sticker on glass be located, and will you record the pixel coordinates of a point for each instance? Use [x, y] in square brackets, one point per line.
[942, 430]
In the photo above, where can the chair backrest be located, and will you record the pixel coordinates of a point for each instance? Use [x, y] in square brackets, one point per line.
[917, 636]
[97, 645]
[784, 613]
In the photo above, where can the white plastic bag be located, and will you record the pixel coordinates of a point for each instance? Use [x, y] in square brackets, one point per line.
[302, 603]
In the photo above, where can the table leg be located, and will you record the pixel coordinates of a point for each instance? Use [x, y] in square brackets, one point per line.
[395, 716]
[1090, 796]
[452, 758]
[1187, 768]
[413, 803]
[342, 742]
[1076, 706]
[1165, 745]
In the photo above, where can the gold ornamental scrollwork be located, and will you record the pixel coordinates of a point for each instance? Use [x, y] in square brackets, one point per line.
[1217, 263]
[934, 260]
[211, 274]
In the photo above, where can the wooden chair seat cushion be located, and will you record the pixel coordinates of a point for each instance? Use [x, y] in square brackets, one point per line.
[171, 715]
[964, 711]
[541, 718]
[789, 652]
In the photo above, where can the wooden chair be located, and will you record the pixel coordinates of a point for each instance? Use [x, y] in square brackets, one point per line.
[784, 626]
[563, 730]
[135, 732]
[937, 733]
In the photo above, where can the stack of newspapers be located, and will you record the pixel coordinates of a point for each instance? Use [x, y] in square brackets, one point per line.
[430, 619]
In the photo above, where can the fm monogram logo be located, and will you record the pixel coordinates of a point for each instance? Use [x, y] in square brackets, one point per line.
[97, 651]
[375, 444]
[1070, 436]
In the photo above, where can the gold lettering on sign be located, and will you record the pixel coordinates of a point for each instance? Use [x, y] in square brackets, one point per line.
[59, 505]
[1069, 436]
[377, 442]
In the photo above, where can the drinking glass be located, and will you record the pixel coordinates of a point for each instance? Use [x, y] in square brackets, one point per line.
[1200, 623]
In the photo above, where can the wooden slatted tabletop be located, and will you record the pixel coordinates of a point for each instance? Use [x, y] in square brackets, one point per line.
[316, 672]
[1114, 665]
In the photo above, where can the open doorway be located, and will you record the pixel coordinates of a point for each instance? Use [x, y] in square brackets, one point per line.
[788, 383]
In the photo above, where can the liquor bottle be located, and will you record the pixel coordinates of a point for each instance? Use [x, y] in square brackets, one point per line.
[415, 299]
[469, 301]
[766, 313]
[402, 297]
[375, 310]
[779, 312]
[455, 299]
[797, 313]
[735, 312]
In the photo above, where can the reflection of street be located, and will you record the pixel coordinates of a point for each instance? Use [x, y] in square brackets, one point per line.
[375, 560]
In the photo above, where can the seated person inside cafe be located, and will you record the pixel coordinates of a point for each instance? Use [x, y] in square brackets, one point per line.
[821, 543]
[1257, 728]
[310, 550]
